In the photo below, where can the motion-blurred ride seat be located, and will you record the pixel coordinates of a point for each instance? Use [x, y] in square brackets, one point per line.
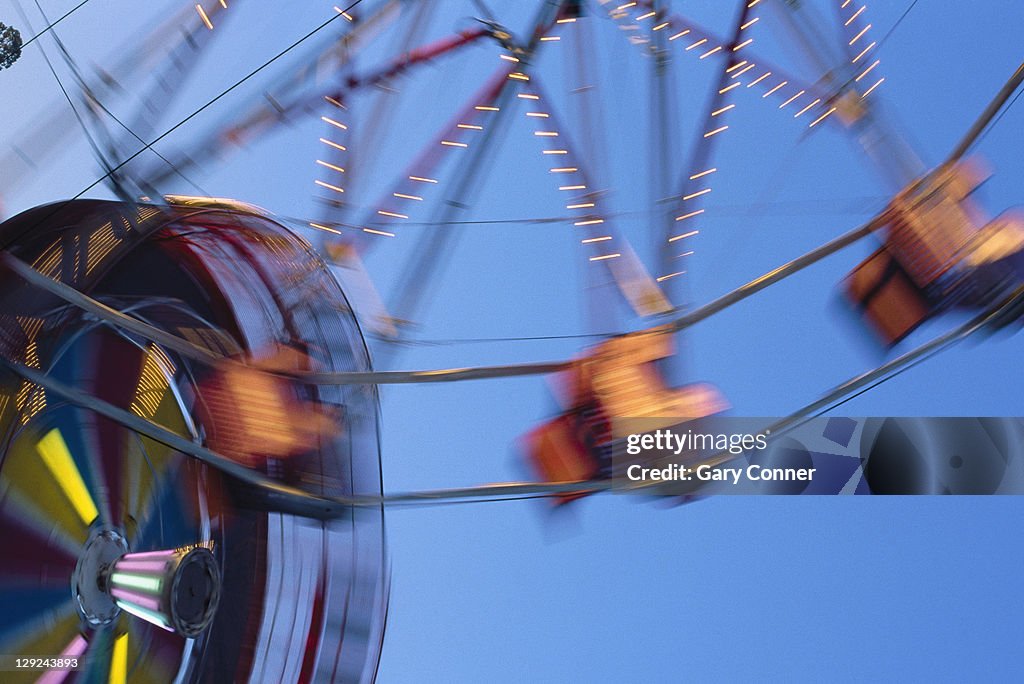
[603, 395]
[939, 251]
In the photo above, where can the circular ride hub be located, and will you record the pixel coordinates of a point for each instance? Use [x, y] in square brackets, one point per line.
[143, 562]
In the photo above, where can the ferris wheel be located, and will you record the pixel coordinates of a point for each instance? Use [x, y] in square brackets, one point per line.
[191, 477]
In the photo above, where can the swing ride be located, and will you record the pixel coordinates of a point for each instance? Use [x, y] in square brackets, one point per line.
[191, 482]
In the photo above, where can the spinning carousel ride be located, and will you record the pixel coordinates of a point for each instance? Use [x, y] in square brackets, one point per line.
[190, 485]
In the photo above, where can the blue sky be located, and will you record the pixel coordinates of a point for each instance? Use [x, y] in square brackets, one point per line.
[616, 589]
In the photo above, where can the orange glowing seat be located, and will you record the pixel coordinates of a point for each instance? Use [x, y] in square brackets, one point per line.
[621, 378]
[603, 395]
[886, 297]
[940, 251]
[253, 415]
[558, 454]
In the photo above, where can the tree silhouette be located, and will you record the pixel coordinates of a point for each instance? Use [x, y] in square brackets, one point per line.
[10, 45]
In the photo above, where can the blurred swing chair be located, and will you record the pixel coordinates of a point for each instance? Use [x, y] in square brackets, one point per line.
[602, 396]
[940, 252]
